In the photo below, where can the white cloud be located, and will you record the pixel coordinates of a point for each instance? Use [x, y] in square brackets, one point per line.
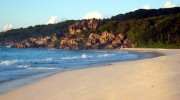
[169, 5]
[146, 7]
[94, 14]
[53, 20]
[7, 27]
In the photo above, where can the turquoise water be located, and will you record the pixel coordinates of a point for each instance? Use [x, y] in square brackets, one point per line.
[17, 63]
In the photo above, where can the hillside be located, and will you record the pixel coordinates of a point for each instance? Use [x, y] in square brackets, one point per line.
[141, 28]
[143, 13]
[17, 35]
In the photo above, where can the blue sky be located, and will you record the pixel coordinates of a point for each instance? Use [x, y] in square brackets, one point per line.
[24, 13]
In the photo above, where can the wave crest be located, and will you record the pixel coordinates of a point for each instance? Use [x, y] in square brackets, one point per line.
[40, 68]
[105, 55]
[7, 62]
[85, 56]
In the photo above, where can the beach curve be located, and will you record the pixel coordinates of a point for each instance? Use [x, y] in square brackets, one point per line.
[148, 79]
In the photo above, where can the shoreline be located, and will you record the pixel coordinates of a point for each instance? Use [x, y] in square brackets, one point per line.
[110, 81]
[10, 85]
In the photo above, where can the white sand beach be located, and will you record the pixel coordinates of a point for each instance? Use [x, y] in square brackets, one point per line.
[147, 79]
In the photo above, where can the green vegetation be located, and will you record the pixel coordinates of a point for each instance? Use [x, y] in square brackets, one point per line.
[151, 32]
[143, 13]
[109, 26]
[144, 28]
[17, 35]
[154, 32]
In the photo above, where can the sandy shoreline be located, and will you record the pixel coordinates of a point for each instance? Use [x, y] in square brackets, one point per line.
[148, 79]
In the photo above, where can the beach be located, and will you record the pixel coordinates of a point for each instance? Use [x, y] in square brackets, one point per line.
[146, 79]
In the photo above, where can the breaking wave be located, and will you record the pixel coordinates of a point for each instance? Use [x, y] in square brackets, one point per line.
[40, 68]
[7, 62]
[105, 55]
[85, 56]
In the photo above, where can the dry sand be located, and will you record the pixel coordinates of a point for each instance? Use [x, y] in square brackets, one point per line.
[148, 79]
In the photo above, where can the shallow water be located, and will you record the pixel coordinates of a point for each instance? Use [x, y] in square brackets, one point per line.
[17, 63]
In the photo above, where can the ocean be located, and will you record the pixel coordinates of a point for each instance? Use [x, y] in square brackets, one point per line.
[20, 66]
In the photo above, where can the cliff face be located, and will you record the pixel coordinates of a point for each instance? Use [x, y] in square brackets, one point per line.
[102, 40]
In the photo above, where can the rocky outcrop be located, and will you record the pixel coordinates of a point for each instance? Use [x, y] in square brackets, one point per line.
[110, 46]
[94, 23]
[127, 44]
[107, 40]
[96, 46]
[68, 43]
[106, 37]
[93, 38]
[84, 25]
[118, 40]
[72, 29]
[93, 41]
[77, 27]
[43, 42]
[101, 40]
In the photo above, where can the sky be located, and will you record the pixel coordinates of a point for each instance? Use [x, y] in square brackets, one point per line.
[23, 13]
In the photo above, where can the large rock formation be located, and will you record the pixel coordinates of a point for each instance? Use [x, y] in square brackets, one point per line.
[94, 23]
[93, 41]
[68, 43]
[101, 40]
[77, 27]
[106, 37]
[107, 40]
[42, 42]
[84, 25]
[118, 40]
[93, 38]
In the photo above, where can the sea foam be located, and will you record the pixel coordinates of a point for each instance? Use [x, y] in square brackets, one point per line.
[7, 62]
[40, 68]
[83, 56]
